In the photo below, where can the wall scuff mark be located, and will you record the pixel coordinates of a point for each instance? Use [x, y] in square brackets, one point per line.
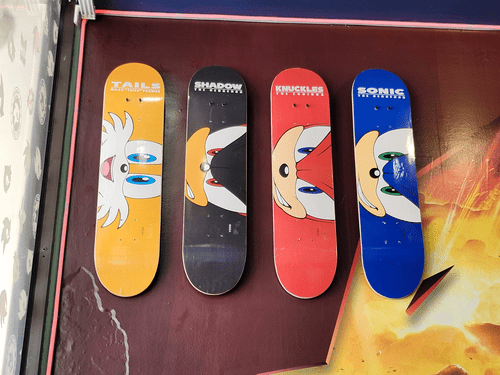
[87, 327]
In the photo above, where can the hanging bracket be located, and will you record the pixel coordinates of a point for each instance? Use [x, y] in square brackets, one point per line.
[84, 9]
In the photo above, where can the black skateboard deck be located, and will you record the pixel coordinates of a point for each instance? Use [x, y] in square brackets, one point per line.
[214, 248]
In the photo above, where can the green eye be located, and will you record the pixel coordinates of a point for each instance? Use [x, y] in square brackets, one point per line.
[389, 190]
[390, 155]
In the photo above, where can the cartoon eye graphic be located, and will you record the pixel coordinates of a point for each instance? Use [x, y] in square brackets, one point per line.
[140, 180]
[216, 191]
[399, 142]
[392, 144]
[142, 151]
[310, 190]
[396, 204]
[309, 139]
[305, 150]
[389, 190]
[218, 140]
[220, 196]
[214, 151]
[142, 186]
[390, 155]
[317, 203]
[213, 182]
[142, 158]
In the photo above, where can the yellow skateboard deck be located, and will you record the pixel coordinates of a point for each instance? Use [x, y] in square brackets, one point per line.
[127, 240]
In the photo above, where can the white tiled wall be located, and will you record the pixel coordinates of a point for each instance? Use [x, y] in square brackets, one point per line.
[28, 43]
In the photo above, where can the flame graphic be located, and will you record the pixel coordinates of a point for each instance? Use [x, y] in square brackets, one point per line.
[456, 331]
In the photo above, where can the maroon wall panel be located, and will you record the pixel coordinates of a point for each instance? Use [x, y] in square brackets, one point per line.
[173, 329]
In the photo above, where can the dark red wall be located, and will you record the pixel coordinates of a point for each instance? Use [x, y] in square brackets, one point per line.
[452, 77]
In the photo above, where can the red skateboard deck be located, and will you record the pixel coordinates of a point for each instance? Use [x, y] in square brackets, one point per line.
[305, 242]
[127, 242]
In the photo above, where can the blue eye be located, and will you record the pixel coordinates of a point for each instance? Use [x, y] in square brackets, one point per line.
[306, 150]
[310, 190]
[142, 158]
[140, 180]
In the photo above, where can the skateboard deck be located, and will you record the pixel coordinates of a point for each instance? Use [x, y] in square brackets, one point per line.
[214, 248]
[392, 248]
[127, 238]
[305, 242]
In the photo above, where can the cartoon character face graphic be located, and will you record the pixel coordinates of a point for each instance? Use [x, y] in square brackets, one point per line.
[15, 267]
[38, 163]
[27, 159]
[34, 215]
[7, 177]
[303, 174]
[29, 261]
[3, 307]
[118, 156]
[12, 356]
[5, 233]
[23, 304]
[24, 48]
[42, 102]
[216, 168]
[16, 113]
[386, 174]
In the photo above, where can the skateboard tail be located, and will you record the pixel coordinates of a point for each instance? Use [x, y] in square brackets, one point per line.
[127, 275]
[213, 270]
[305, 280]
[386, 270]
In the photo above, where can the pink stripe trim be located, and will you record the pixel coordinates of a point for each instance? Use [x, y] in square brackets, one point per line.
[320, 21]
[66, 204]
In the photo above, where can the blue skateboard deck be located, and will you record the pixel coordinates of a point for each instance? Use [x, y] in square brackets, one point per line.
[214, 248]
[392, 248]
